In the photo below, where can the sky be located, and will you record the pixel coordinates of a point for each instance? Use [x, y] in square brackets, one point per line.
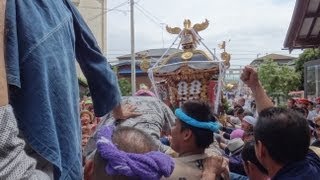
[254, 27]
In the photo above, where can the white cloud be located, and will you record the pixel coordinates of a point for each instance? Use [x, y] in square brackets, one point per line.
[254, 26]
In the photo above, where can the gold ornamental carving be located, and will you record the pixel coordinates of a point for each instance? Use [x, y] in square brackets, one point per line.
[145, 63]
[188, 35]
[186, 55]
[226, 57]
[187, 26]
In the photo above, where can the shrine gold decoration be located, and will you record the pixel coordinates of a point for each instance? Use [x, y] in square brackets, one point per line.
[188, 26]
[186, 55]
[201, 26]
[175, 30]
[145, 63]
[183, 68]
[194, 52]
[226, 57]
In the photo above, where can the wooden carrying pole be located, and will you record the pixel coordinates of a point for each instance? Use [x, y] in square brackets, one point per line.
[3, 77]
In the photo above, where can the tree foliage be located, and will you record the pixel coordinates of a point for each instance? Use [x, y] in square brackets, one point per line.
[307, 55]
[125, 87]
[278, 80]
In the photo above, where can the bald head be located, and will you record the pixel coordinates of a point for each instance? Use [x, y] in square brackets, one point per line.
[133, 140]
[127, 139]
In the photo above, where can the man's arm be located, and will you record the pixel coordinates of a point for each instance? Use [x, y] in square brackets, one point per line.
[250, 78]
[102, 81]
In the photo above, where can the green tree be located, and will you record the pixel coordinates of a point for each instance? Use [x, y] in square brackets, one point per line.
[278, 80]
[125, 87]
[307, 55]
[115, 69]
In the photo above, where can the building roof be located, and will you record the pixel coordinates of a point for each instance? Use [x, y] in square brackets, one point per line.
[128, 62]
[150, 53]
[304, 29]
[282, 59]
[277, 57]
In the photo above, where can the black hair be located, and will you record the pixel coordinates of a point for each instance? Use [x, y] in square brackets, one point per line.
[248, 154]
[284, 133]
[302, 110]
[200, 111]
[239, 110]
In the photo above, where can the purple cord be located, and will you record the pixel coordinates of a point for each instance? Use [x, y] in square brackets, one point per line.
[151, 165]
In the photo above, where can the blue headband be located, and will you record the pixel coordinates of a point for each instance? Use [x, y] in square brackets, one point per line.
[213, 126]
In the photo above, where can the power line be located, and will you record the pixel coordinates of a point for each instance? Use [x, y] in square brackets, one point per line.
[152, 18]
[147, 16]
[98, 8]
[150, 14]
[109, 10]
[138, 1]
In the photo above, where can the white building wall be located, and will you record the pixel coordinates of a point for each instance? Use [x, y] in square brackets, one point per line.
[94, 13]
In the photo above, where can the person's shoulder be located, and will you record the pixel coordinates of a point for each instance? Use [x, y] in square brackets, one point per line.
[314, 151]
[183, 170]
[313, 157]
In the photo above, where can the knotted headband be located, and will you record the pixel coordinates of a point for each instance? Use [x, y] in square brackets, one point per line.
[210, 125]
[149, 166]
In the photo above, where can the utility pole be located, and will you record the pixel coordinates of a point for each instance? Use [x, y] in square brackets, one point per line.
[162, 27]
[104, 27]
[133, 58]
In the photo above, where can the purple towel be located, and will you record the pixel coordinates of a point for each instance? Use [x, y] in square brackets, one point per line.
[151, 165]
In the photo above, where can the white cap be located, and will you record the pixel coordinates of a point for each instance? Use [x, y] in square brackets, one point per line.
[251, 120]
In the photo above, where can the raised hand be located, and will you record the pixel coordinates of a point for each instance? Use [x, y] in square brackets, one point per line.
[215, 166]
[250, 77]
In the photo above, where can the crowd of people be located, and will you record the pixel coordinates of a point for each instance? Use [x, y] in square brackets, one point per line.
[278, 143]
[46, 134]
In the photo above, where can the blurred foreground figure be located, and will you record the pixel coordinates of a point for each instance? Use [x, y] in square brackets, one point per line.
[14, 162]
[44, 37]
